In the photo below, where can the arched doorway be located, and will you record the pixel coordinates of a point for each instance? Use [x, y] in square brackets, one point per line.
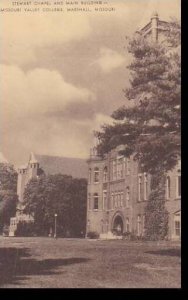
[118, 225]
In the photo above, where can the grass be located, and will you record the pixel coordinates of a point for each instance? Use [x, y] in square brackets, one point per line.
[80, 263]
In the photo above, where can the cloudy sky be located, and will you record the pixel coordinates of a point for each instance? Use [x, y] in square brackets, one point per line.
[63, 74]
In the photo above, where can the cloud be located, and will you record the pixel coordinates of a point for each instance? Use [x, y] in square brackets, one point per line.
[38, 91]
[109, 60]
[20, 42]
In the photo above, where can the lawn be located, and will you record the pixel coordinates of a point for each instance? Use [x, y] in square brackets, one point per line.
[81, 263]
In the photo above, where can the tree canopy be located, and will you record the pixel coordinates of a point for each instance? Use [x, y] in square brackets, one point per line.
[8, 196]
[61, 195]
[150, 128]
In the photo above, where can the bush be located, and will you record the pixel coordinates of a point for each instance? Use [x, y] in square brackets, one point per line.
[93, 235]
[25, 229]
[5, 230]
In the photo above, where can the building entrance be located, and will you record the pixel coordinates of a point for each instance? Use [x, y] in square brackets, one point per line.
[118, 225]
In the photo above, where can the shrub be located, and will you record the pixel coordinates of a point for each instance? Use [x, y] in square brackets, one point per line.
[5, 230]
[93, 235]
[25, 229]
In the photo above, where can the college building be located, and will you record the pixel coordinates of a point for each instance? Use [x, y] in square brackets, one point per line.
[118, 192]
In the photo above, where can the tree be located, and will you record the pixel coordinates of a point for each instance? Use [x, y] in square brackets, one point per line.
[57, 194]
[8, 196]
[150, 128]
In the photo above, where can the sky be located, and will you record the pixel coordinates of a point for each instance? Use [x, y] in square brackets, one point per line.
[63, 74]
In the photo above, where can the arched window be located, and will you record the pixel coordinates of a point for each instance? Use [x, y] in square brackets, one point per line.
[89, 175]
[96, 175]
[145, 186]
[127, 196]
[127, 225]
[96, 201]
[138, 225]
[168, 187]
[139, 187]
[105, 174]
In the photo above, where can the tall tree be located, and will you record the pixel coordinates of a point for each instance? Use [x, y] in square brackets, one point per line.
[150, 128]
[8, 196]
[61, 195]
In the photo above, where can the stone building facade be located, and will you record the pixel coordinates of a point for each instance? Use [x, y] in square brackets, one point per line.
[118, 192]
[25, 174]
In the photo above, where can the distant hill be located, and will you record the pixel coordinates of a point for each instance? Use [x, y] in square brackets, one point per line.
[76, 167]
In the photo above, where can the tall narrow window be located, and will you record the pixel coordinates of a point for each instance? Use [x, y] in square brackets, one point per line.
[127, 225]
[127, 196]
[128, 166]
[104, 199]
[102, 226]
[89, 201]
[96, 175]
[145, 186]
[114, 170]
[112, 200]
[138, 225]
[96, 202]
[121, 195]
[105, 173]
[177, 228]
[168, 187]
[144, 224]
[139, 187]
[89, 179]
[178, 188]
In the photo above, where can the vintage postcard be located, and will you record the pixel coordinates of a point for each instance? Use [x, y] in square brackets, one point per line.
[90, 162]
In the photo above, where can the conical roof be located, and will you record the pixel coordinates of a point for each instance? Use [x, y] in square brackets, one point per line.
[32, 158]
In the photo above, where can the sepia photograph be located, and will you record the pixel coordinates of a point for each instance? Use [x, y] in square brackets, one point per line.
[90, 144]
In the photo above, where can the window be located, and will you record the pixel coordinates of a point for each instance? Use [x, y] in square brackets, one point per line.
[178, 188]
[96, 201]
[177, 228]
[96, 175]
[145, 186]
[104, 199]
[102, 226]
[128, 166]
[139, 187]
[105, 174]
[121, 197]
[144, 223]
[114, 170]
[112, 200]
[89, 179]
[168, 187]
[127, 225]
[119, 168]
[127, 196]
[89, 201]
[138, 225]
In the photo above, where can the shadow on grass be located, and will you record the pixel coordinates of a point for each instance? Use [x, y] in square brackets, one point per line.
[16, 264]
[167, 252]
